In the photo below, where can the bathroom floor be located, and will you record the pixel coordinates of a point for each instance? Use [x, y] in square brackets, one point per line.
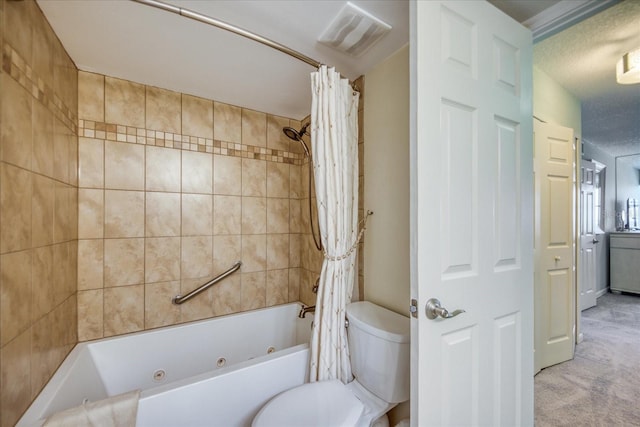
[600, 385]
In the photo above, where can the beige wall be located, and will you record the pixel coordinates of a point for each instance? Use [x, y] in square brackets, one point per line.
[38, 212]
[554, 104]
[173, 190]
[386, 168]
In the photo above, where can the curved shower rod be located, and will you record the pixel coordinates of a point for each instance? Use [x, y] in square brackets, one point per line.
[232, 28]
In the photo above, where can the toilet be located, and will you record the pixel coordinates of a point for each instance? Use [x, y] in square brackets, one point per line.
[379, 348]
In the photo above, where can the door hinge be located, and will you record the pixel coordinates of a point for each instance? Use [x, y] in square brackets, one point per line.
[413, 308]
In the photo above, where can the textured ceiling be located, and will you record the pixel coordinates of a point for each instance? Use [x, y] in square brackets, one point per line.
[583, 59]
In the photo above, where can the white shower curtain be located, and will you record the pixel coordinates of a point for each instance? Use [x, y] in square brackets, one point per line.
[334, 137]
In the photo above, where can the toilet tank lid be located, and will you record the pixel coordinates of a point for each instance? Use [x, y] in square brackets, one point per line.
[379, 321]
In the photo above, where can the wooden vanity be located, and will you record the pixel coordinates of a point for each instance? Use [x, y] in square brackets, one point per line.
[624, 253]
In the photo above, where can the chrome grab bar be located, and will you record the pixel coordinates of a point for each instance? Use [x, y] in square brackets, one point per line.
[179, 299]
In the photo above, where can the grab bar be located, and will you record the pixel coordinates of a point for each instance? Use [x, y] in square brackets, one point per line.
[179, 299]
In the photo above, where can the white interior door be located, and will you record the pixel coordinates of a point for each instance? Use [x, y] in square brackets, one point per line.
[554, 264]
[472, 218]
[588, 236]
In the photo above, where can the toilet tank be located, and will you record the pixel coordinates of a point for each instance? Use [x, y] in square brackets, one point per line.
[380, 350]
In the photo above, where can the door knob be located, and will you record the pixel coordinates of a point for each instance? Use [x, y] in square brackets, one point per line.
[433, 309]
[596, 241]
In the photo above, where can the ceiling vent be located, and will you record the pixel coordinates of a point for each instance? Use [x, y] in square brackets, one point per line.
[354, 31]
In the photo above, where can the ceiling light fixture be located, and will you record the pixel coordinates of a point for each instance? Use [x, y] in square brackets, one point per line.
[628, 68]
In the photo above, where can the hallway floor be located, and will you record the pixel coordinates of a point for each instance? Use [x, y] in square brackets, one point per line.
[601, 385]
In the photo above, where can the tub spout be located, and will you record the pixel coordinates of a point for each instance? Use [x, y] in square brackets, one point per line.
[305, 310]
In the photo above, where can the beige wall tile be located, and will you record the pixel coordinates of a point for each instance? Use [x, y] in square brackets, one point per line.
[253, 293]
[276, 139]
[123, 310]
[42, 60]
[158, 308]
[123, 166]
[123, 213]
[163, 110]
[294, 250]
[73, 161]
[15, 378]
[254, 128]
[277, 179]
[90, 96]
[197, 257]
[199, 307]
[65, 271]
[90, 314]
[227, 211]
[295, 221]
[227, 123]
[254, 215]
[162, 214]
[227, 175]
[254, 178]
[42, 286]
[197, 172]
[296, 181]
[90, 163]
[90, 214]
[123, 262]
[277, 251]
[44, 347]
[15, 202]
[226, 296]
[124, 102]
[19, 16]
[197, 214]
[227, 250]
[162, 259]
[277, 215]
[65, 219]
[277, 287]
[15, 116]
[162, 169]
[42, 205]
[90, 264]
[42, 160]
[294, 284]
[15, 288]
[197, 116]
[254, 253]
[62, 140]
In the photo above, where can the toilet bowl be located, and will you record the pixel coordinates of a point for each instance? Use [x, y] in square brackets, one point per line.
[379, 347]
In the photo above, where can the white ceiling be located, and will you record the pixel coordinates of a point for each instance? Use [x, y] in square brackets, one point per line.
[136, 42]
[124, 39]
[583, 59]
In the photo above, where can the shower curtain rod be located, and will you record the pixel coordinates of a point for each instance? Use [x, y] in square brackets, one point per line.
[226, 26]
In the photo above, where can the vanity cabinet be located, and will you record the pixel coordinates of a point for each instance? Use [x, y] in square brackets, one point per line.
[624, 253]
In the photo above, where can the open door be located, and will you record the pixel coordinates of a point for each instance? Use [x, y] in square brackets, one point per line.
[472, 216]
[588, 237]
[554, 248]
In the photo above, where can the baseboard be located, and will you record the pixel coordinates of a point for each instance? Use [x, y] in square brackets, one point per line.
[601, 292]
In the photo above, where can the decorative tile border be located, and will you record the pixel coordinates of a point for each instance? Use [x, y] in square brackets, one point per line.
[133, 135]
[19, 70]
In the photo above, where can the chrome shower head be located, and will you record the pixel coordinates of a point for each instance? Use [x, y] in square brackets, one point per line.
[296, 135]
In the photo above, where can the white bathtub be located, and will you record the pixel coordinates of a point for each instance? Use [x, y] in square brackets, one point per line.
[216, 372]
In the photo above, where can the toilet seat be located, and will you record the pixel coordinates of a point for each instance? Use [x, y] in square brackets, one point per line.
[324, 403]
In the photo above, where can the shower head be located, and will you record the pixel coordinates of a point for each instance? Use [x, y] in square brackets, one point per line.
[296, 135]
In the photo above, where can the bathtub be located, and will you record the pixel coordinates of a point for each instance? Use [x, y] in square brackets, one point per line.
[216, 372]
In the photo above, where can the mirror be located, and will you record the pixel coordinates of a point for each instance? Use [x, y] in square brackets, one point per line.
[627, 187]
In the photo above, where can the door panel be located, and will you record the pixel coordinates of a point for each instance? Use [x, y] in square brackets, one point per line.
[472, 216]
[554, 283]
[588, 237]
